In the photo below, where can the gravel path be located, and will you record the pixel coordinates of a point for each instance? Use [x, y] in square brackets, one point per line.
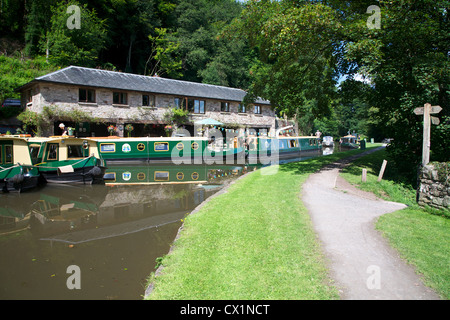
[361, 262]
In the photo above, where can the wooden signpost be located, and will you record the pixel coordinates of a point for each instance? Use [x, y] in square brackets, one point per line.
[427, 110]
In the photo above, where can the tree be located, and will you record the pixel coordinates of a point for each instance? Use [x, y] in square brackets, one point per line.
[162, 56]
[305, 46]
[408, 64]
[78, 46]
[296, 46]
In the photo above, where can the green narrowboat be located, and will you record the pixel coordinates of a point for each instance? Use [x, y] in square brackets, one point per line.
[16, 170]
[64, 159]
[349, 141]
[266, 148]
[169, 150]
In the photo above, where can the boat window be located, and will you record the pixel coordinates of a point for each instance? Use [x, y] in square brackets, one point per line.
[195, 175]
[180, 146]
[292, 143]
[194, 145]
[161, 146]
[74, 151]
[141, 147]
[180, 176]
[107, 147]
[52, 151]
[8, 154]
[161, 175]
[34, 150]
[141, 176]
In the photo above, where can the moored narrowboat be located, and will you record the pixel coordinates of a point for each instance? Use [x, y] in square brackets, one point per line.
[349, 141]
[265, 149]
[167, 150]
[16, 170]
[64, 159]
[327, 141]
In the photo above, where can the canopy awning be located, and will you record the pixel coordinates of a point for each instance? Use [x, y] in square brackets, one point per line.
[209, 121]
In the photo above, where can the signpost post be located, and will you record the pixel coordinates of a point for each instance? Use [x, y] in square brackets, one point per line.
[427, 110]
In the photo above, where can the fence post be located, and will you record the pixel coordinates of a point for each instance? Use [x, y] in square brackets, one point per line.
[383, 167]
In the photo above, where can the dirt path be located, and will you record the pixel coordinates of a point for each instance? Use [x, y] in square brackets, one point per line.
[362, 264]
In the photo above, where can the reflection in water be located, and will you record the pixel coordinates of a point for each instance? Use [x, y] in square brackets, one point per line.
[113, 232]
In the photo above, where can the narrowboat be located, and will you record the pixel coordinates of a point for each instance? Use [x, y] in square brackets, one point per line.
[169, 150]
[349, 141]
[16, 170]
[64, 159]
[327, 141]
[264, 149]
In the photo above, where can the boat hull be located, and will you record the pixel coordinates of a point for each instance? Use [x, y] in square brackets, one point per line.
[85, 175]
[21, 182]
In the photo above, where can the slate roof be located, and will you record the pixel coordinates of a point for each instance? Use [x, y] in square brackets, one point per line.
[81, 76]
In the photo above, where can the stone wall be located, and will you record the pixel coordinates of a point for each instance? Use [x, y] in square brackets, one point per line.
[434, 185]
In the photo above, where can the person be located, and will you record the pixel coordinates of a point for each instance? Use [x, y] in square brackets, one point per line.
[63, 129]
[318, 134]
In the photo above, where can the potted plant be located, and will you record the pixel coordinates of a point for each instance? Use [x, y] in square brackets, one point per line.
[129, 128]
[112, 129]
[168, 130]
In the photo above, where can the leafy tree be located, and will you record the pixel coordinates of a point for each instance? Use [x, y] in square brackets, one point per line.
[162, 55]
[295, 42]
[68, 46]
[408, 64]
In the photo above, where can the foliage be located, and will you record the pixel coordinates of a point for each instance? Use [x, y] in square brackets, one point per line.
[163, 55]
[305, 46]
[176, 116]
[18, 70]
[72, 46]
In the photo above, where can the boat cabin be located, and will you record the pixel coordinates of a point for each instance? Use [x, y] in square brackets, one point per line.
[53, 149]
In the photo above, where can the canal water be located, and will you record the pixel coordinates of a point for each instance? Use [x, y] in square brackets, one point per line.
[104, 239]
[100, 241]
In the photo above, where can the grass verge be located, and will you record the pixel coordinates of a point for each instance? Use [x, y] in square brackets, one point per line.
[254, 242]
[421, 235]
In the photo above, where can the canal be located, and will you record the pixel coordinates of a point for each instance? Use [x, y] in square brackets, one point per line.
[99, 241]
[112, 233]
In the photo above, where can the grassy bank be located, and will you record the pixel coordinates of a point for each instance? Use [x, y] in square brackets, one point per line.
[253, 242]
[422, 236]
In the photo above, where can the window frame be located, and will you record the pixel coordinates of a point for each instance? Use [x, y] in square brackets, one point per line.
[150, 100]
[199, 104]
[122, 98]
[257, 109]
[224, 106]
[86, 94]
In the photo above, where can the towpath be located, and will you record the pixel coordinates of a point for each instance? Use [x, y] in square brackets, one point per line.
[361, 262]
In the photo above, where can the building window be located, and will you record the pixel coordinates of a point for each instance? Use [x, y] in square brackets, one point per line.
[119, 98]
[224, 107]
[86, 95]
[257, 109]
[178, 103]
[148, 100]
[241, 108]
[199, 106]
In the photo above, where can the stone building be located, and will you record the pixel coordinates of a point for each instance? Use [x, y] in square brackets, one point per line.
[118, 99]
